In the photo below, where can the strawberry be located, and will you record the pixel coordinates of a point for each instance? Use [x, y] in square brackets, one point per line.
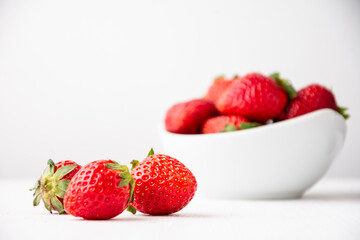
[311, 98]
[187, 117]
[52, 184]
[100, 190]
[223, 123]
[254, 96]
[163, 185]
[217, 88]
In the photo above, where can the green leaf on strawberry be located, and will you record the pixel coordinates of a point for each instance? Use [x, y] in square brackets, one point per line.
[284, 84]
[131, 209]
[249, 125]
[151, 152]
[342, 111]
[242, 126]
[229, 128]
[61, 172]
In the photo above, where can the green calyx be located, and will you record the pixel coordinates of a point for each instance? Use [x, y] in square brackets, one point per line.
[249, 125]
[285, 84]
[126, 178]
[51, 186]
[342, 111]
[229, 128]
[242, 126]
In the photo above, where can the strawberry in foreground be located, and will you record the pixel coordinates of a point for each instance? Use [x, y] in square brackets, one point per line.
[217, 88]
[311, 98]
[226, 123]
[187, 117]
[254, 96]
[163, 185]
[52, 184]
[100, 190]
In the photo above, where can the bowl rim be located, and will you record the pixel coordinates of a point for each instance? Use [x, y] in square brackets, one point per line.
[266, 127]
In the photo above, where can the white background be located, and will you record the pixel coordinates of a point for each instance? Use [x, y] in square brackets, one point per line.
[86, 80]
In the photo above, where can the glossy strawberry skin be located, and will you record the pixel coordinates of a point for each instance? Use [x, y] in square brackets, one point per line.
[254, 96]
[163, 185]
[218, 123]
[310, 98]
[217, 88]
[94, 192]
[187, 117]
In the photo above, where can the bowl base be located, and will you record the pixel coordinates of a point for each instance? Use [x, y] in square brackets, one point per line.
[262, 196]
[272, 196]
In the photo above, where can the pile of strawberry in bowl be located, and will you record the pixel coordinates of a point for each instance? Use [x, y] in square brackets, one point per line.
[256, 137]
[246, 102]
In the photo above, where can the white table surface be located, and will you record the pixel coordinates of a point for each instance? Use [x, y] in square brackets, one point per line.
[330, 210]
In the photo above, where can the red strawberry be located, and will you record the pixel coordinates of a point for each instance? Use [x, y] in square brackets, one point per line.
[187, 117]
[52, 185]
[254, 96]
[223, 123]
[217, 88]
[100, 190]
[311, 98]
[163, 185]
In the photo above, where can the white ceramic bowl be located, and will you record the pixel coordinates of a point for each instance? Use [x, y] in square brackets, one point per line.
[276, 161]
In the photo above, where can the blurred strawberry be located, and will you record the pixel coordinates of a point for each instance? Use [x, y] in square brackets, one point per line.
[254, 96]
[187, 117]
[311, 98]
[217, 88]
[223, 123]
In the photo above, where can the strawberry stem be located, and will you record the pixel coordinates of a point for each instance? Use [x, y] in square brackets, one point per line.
[50, 169]
[134, 164]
